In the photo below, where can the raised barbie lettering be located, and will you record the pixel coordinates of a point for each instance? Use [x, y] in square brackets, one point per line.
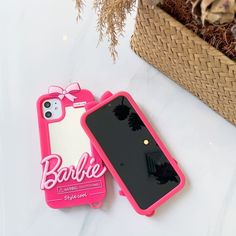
[53, 173]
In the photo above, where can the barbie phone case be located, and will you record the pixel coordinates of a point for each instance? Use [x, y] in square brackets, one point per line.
[145, 171]
[73, 173]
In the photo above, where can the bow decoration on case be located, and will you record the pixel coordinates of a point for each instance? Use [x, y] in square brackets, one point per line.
[65, 92]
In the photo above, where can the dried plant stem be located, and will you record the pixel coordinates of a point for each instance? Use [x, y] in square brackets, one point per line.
[112, 15]
[79, 6]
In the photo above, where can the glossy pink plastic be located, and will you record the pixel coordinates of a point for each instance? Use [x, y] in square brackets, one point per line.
[106, 98]
[82, 183]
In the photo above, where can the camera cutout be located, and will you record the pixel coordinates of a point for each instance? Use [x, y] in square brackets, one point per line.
[47, 104]
[48, 114]
[52, 109]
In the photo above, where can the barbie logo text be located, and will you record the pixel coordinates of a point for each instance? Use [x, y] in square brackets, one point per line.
[53, 173]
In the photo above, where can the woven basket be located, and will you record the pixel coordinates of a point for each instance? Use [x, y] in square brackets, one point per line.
[187, 59]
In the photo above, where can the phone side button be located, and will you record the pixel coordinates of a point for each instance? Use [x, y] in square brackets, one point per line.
[106, 95]
[175, 161]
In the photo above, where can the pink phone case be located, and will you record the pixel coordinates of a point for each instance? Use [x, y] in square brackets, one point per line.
[106, 98]
[71, 176]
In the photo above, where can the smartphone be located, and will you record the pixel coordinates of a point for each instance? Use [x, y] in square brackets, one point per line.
[72, 171]
[133, 152]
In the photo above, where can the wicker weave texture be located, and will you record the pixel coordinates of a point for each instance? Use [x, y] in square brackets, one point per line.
[187, 59]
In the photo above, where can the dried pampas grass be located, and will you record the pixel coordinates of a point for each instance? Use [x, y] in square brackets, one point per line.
[112, 15]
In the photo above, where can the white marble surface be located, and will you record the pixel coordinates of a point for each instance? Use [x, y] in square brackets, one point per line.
[41, 44]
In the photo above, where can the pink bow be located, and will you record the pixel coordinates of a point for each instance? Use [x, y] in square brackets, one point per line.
[65, 92]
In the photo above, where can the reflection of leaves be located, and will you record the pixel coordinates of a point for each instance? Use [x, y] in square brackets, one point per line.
[162, 172]
[165, 173]
[121, 112]
[135, 122]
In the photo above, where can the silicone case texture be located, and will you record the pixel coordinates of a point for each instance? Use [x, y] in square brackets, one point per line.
[73, 172]
[107, 98]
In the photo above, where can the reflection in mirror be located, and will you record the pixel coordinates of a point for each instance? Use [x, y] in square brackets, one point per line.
[159, 168]
[121, 111]
[135, 123]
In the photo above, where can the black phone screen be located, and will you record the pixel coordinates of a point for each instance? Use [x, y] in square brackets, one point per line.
[133, 152]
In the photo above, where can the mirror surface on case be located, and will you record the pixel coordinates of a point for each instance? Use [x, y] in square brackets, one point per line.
[133, 152]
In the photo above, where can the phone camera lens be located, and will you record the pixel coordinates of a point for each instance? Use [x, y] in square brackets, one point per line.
[48, 114]
[47, 104]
